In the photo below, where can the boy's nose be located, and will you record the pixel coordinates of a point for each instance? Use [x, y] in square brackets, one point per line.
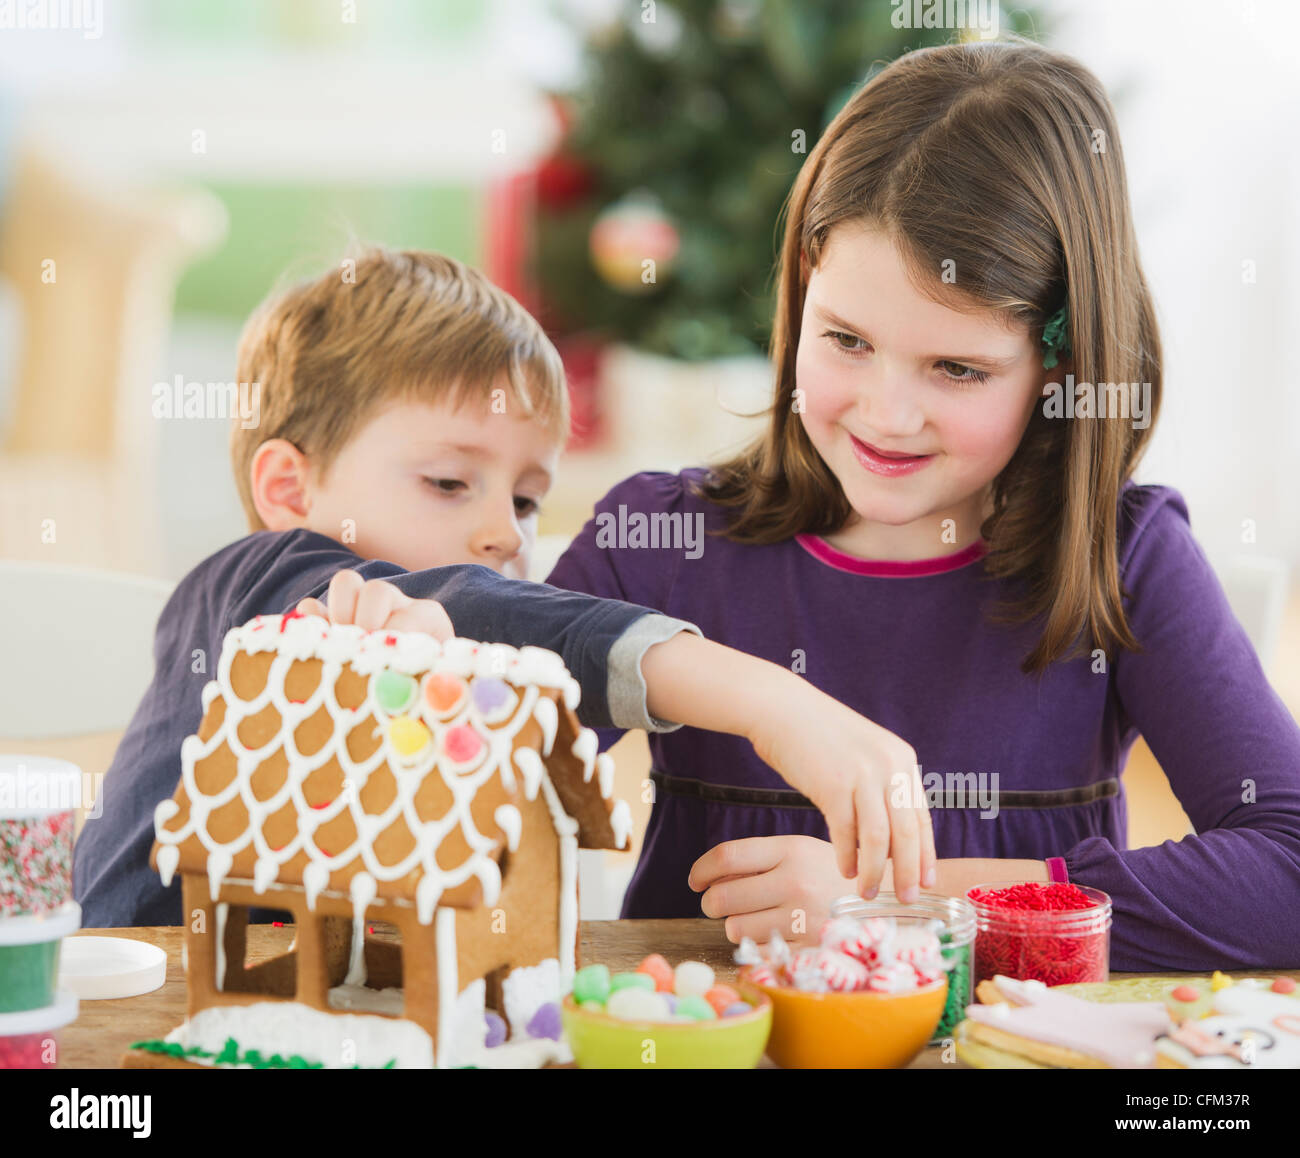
[497, 542]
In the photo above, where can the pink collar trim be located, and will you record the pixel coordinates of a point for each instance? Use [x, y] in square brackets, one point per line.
[822, 551]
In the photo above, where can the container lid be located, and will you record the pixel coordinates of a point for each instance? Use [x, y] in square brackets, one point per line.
[65, 1009]
[955, 913]
[99, 968]
[38, 786]
[1089, 919]
[37, 927]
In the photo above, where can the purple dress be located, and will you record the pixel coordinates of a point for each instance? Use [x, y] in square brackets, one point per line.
[907, 645]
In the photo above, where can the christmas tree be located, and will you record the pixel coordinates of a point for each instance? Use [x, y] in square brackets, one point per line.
[683, 140]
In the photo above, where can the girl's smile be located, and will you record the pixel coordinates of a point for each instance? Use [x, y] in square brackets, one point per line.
[888, 464]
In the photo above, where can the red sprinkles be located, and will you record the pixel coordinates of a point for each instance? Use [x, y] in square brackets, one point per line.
[1034, 896]
[1035, 931]
[25, 1051]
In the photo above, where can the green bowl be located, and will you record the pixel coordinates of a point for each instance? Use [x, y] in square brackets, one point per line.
[601, 1042]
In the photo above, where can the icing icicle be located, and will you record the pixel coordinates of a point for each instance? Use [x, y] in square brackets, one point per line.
[363, 893]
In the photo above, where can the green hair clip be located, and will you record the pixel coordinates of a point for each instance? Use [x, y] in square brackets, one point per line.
[1056, 336]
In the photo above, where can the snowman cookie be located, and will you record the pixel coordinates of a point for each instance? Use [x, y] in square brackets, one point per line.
[1249, 1025]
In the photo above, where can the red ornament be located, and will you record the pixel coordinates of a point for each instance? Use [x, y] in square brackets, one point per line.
[563, 181]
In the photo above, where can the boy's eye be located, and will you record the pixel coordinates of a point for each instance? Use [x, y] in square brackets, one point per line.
[447, 486]
[526, 506]
[957, 372]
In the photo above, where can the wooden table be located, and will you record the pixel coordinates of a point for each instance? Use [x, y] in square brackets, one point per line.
[104, 1030]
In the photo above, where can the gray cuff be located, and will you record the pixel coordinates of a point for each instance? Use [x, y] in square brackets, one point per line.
[627, 691]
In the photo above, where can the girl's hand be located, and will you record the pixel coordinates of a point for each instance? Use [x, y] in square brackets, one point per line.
[863, 778]
[766, 883]
[376, 605]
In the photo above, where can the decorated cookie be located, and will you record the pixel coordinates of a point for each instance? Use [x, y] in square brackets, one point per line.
[1250, 1026]
[1194, 997]
[1032, 1021]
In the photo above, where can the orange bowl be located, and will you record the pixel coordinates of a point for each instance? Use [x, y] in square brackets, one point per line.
[850, 1031]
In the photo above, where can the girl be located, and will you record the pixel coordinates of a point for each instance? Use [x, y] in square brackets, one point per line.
[927, 533]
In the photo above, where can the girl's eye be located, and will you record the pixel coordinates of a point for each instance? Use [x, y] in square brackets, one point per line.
[954, 371]
[844, 342]
[447, 486]
[963, 373]
[526, 506]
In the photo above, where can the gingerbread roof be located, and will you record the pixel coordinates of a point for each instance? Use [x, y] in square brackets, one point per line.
[381, 764]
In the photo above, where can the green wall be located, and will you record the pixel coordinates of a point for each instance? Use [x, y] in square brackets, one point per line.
[289, 232]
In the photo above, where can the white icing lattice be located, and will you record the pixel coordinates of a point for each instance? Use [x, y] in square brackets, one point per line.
[504, 679]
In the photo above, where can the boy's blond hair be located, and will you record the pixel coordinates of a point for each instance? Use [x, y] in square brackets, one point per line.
[387, 326]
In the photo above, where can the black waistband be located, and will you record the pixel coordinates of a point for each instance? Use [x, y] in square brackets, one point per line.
[788, 798]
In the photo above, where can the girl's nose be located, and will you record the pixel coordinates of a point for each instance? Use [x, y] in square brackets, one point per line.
[887, 404]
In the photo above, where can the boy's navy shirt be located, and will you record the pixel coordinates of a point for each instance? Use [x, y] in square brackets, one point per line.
[267, 573]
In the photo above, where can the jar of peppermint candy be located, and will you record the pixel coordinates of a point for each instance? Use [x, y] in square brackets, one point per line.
[956, 932]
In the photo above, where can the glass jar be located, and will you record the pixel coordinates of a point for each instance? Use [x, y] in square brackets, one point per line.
[956, 932]
[1054, 946]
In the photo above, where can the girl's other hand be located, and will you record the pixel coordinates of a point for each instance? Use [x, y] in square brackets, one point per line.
[376, 605]
[863, 778]
[766, 883]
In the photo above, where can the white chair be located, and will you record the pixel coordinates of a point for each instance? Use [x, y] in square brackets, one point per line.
[78, 648]
[1256, 587]
[91, 270]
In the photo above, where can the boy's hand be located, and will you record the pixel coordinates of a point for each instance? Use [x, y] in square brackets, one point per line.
[375, 605]
[762, 883]
[863, 778]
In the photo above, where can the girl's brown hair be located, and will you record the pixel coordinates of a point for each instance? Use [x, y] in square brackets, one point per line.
[1003, 157]
[387, 326]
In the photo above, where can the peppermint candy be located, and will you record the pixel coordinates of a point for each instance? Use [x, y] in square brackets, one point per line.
[852, 956]
[748, 952]
[808, 971]
[896, 978]
[845, 935]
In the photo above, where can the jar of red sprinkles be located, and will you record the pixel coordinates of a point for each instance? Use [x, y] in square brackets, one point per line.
[1055, 933]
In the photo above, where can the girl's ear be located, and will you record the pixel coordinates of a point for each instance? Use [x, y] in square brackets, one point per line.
[1057, 374]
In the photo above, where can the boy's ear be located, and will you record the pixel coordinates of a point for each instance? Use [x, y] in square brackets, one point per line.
[279, 485]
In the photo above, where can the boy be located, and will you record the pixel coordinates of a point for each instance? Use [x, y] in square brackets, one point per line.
[411, 417]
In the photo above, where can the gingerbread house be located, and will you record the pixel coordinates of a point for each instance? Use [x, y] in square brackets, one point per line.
[353, 778]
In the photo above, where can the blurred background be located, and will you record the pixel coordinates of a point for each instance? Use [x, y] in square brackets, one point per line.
[164, 166]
